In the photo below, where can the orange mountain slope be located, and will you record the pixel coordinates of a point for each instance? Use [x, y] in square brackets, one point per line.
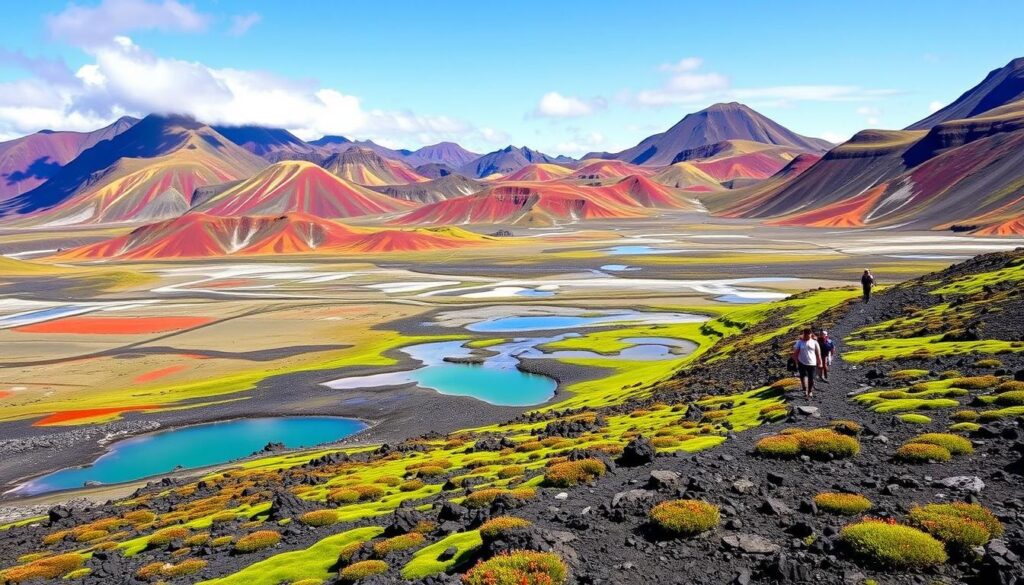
[299, 186]
[198, 235]
[366, 167]
[547, 203]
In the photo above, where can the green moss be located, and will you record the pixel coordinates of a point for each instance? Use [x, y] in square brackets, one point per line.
[361, 570]
[518, 568]
[893, 545]
[964, 427]
[842, 504]
[960, 525]
[685, 517]
[922, 453]
[955, 444]
[425, 562]
[915, 419]
[314, 562]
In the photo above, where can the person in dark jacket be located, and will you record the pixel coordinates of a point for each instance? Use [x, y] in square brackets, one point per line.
[867, 282]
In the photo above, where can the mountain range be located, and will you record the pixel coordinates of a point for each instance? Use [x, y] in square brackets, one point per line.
[30, 161]
[965, 174]
[961, 168]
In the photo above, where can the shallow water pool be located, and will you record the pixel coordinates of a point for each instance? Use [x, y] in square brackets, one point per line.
[192, 447]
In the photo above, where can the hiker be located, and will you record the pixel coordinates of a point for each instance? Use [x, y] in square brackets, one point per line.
[867, 282]
[828, 349]
[807, 355]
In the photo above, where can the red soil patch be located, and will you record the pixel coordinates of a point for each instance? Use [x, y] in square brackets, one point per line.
[72, 415]
[4, 394]
[114, 325]
[157, 374]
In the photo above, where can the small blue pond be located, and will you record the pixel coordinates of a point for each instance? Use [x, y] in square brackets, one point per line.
[192, 447]
[497, 380]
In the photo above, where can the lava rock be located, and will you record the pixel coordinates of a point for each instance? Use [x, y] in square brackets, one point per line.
[639, 451]
[750, 544]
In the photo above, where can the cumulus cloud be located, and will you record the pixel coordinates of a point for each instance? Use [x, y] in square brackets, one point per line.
[872, 115]
[687, 83]
[683, 65]
[90, 26]
[124, 78]
[556, 105]
[241, 23]
[935, 106]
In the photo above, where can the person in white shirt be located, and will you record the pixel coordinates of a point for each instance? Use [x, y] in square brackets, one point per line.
[807, 354]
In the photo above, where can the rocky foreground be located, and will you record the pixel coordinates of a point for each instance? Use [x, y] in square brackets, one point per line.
[905, 468]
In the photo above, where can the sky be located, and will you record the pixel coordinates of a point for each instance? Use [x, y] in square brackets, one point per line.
[561, 77]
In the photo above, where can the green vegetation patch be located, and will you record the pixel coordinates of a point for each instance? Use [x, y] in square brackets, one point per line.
[425, 562]
[518, 568]
[842, 504]
[685, 517]
[314, 562]
[893, 546]
[960, 525]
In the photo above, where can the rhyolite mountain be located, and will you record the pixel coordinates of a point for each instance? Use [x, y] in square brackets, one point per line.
[448, 153]
[30, 161]
[717, 123]
[446, 187]
[1000, 87]
[266, 142]
[436, 170]
[156, 155]
[330, 142]
[367, 167]
[508, 160]
[960, 174]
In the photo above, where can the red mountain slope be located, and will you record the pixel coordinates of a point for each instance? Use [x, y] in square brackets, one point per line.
[29, 161]
[547, 203]
[198, 235]
[299, 186]
[366, 167]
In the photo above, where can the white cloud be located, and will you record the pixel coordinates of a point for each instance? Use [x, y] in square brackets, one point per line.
[241, 23]
[124, 78]
[872, 115]
[91, 26]
[686, 83]
[556, 105]
[683, 65]
[935, 106]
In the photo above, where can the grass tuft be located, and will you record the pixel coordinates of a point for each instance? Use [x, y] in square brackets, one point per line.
[842, 504]
[685, 517]
[892, 545]
[519, 567]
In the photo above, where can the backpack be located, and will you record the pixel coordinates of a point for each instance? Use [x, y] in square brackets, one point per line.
[791, 365]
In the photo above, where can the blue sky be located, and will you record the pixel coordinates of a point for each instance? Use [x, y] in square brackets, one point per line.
[563, 77]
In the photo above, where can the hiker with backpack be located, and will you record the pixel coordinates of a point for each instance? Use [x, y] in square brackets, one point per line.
[867, 282]
[828, 351]
[807, 355]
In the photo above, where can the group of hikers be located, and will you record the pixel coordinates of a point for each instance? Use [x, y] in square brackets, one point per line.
[813, 352]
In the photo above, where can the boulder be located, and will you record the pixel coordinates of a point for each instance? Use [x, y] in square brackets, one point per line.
[750, 543]
[963, 483]
[639, 451]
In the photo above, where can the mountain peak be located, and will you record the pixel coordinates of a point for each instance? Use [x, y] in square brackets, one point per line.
[1000, 87]
[717, 123]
